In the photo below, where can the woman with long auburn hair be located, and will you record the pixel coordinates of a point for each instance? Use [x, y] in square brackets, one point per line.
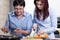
[44, 18]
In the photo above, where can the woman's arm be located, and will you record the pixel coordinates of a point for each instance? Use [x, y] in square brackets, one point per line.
[53, 19]
[6, 27]
[29, 26]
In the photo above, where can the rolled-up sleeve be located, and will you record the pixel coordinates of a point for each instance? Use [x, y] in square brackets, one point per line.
[29, 24]
[53, 19]
[34, 21]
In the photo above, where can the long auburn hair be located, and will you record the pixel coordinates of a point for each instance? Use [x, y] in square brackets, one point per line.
[45, 10]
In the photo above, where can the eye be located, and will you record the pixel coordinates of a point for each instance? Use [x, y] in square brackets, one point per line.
[41, 4]
[43, 1]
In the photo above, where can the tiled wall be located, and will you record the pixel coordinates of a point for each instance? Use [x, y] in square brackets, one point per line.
[4, 9]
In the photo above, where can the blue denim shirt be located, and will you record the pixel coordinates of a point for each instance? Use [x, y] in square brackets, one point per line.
[25, 23]
[49, 24]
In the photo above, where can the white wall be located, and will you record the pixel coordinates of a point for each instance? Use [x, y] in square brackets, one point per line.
[55, 4]
[29, 6]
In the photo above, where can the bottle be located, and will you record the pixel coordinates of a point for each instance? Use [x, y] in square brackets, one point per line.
[32, 33]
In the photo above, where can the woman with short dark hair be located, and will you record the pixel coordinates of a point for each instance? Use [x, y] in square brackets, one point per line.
[19, 22]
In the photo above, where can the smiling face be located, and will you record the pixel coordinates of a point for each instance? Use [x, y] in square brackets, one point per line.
[18, 10]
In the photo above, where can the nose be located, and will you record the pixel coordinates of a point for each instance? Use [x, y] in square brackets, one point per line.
[18, 10]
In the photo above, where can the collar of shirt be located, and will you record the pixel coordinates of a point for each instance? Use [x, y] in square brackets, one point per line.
[13, 14]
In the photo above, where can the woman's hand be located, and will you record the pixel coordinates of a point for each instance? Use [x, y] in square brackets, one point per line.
[41, 32]
[17, 31]
[4, 29]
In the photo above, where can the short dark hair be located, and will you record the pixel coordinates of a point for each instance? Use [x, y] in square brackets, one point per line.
[19, 2]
